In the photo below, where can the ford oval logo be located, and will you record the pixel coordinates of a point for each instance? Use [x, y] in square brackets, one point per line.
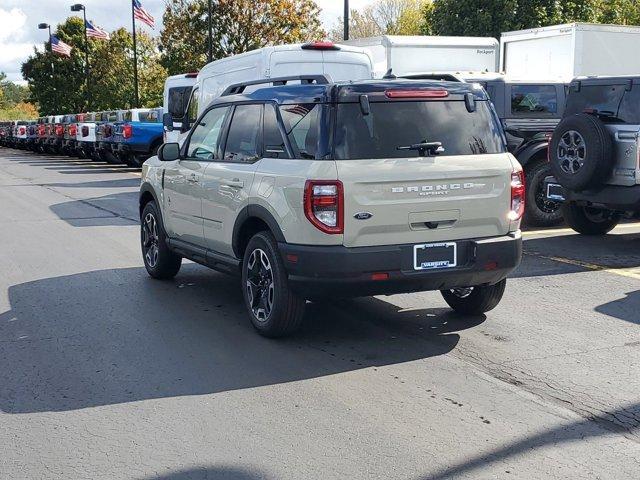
[363, 216]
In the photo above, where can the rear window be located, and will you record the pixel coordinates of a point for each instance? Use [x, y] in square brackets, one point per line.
[534, 99]
[612, 102]
[178, 98]
[399, 124]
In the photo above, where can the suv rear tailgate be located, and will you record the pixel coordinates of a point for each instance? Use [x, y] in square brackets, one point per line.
[425, 199]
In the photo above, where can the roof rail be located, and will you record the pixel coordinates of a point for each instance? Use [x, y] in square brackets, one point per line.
[304, 79]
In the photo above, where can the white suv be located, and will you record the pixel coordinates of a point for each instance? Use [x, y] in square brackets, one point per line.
[321, 189]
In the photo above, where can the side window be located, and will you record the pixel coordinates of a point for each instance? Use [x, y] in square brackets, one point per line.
[301, 126]
[178, 102]
[533, 99]
[205, 138]
[243, 140]
[274, 146]
[128, 116]
[193, 107]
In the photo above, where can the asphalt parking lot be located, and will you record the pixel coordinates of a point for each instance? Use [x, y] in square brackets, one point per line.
[105, 373]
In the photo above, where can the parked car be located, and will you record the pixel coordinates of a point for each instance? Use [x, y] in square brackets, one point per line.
[55, 134]
[40, 143]
[70, 127]
[5, 128]
[86, 135]
[139, 135]
[324, 190]
[32, 135]
[105, 131]
[595, 154]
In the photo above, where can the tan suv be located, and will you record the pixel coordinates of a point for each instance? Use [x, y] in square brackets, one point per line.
[314, 190]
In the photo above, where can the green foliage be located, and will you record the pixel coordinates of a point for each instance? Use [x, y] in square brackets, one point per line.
[58, 84]
[238, 26]
[491, 17]
[19, 111]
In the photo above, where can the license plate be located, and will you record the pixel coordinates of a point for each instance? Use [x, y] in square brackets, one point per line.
[434, 256]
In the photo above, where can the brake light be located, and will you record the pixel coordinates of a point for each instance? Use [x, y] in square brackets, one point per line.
[324, 205]
[22, 131]
[59, 130]
[127, 131]
[430, 93]
[517, 196]
[191, 75]
[320, 46]
[73, 129]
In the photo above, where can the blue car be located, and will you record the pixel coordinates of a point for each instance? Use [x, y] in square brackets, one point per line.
[138, 137]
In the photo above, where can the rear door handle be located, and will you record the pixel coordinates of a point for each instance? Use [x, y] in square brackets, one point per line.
[236, 182]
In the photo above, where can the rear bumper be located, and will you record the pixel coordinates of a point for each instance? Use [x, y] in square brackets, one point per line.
[611, 197]
[347, 272]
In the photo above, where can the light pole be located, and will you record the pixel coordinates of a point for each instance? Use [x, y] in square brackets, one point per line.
[76, 8]
[45, 26]
[346, 19]
[210, 56]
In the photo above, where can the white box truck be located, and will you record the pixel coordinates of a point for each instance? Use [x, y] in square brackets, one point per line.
[414, 54]
[563, 52]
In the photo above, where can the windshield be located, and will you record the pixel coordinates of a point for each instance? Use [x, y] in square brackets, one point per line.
[394, 125]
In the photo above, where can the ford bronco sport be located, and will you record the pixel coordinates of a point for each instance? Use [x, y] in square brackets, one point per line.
[595, 157]
[319, 189]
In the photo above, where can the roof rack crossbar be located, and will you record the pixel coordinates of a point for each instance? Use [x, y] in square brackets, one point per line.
[279, 81]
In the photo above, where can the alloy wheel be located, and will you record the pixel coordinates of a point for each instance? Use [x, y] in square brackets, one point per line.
[260, 285]
[150, 240]
[571, 152]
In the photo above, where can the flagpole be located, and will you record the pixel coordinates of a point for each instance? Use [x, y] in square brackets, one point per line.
[75, 8]
[135, 59]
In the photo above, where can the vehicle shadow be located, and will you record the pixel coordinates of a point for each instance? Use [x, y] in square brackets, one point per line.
[115, 183]
[116, 336]
[114, 209]
[577, 431]
[627, 308]
[212, 473]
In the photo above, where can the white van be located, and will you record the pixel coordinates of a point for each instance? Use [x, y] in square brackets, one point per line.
[177, 91]
[416, 54]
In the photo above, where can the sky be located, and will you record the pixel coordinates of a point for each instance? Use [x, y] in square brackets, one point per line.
[19, 21]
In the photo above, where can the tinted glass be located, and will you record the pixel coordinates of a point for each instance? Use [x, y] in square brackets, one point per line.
[127, 116]
[178, 97]
[629, 111]
[605, 99]
[301, 126]
[193, 107]
[148, 117]
[274, 145]
[243, 140]
[397, 124]
[534, 99]
[205, 139]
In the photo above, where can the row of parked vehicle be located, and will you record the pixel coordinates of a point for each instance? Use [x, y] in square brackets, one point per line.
[117, 136]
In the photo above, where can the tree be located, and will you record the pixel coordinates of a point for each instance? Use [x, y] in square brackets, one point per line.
[384, 17]
[492, 17]
[238, 26]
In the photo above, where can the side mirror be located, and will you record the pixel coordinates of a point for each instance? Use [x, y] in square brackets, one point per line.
[168, 152]
[167, 121]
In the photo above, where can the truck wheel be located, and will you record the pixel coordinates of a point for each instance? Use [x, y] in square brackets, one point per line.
[589, 220]
[475, 300]
[581, 152]
[274, 309]
[539, 211]
[159, 260]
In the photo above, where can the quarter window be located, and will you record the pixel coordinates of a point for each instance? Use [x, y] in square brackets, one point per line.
[301, 126]
[534, 99]
[274, 146]
[243, 140]
[205, 139]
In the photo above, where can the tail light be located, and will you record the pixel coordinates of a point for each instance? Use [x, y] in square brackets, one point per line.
[517, 196]
[127, 131]
[22, 131]
[320, 46]
[59, 130]
[324, 205]
[425, 93]
[85, 131]
[73, 129]
[107, 130]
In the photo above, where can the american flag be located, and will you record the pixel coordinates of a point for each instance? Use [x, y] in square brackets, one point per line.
[60, 47]
[95, 31]
[141, 14]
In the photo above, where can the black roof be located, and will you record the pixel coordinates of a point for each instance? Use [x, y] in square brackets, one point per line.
[344, 92]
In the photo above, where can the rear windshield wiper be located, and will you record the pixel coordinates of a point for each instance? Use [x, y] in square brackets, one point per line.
[425, 149]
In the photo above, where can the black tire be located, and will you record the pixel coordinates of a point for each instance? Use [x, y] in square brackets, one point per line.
[539, 212]
[163, 264]
[477, 300]
[275, 311]
[587, 160]
[589, 220]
